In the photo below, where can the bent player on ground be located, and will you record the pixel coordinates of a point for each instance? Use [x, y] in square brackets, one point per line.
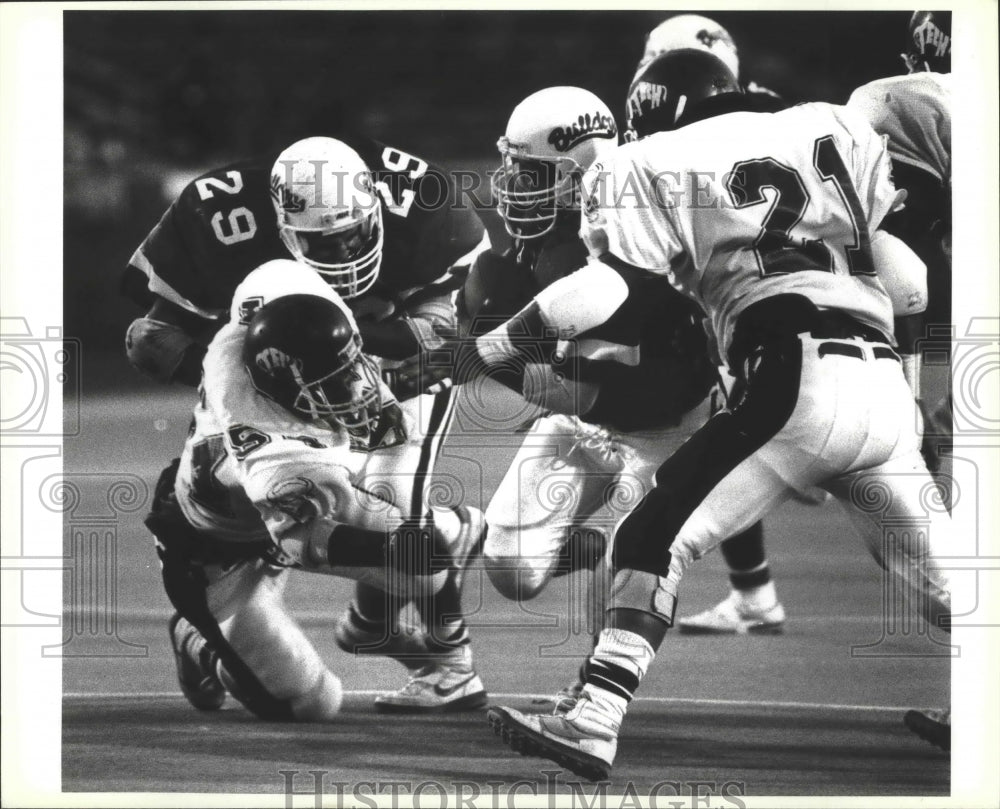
[272, 479]
[387, 230]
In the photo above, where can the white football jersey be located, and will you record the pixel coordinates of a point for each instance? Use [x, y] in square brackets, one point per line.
[914, 112]
[744, 206]
[251, 469]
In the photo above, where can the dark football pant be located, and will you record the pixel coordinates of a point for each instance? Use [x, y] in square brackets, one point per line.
[234, 598]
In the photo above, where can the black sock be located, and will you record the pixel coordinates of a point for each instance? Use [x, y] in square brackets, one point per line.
[375, 608]
[744, 553]
[442, 615]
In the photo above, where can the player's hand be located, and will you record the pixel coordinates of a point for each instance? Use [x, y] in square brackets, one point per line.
[454, 362]
[414, 378]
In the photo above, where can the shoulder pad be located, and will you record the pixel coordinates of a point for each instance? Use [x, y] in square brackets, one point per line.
[220, 228]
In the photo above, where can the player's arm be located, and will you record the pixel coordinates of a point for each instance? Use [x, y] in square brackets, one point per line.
[316, 517]
[904, 277]
[168, 342]
[902, 272]
[322, 522]
[164, 276]
[450, 236]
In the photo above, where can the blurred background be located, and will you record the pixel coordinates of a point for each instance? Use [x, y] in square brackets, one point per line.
[152, 99]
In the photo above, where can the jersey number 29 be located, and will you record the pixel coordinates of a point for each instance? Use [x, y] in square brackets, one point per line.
[237, 225]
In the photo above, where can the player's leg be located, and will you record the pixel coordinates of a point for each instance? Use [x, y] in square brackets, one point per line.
[752, 605]
[260, 655]
[538, 514]
[718, 483]
[234, 620]
[907, 530]
[399, 475]
[541, 518]
[896, 509]
[448, 682]
[265, 660]
[904, 519]
[194, 658]
[443, 678]
[642, 604]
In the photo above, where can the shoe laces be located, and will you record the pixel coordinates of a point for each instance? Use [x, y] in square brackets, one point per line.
[417, 681]
[600, 440]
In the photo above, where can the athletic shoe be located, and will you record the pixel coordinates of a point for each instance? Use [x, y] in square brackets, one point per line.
[196, 666]
[451, 684]
[732, 617]
[931, 726]
[584, 741]
[406, 644]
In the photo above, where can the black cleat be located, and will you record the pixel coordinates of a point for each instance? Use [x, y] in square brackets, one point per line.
[931, 726]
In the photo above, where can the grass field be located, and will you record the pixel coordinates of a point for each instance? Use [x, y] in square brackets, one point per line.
[816, 711]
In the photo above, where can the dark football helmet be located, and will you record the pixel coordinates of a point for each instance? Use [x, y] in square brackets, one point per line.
[304, 352]
[671, 84]
[929, 47]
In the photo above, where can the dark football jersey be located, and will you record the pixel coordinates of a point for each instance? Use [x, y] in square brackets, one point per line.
[223, 226]
[650, 359]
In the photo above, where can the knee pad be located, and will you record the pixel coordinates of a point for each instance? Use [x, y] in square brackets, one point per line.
[644, 592]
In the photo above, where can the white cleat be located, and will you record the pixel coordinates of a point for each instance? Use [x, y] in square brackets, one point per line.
[732, 617]
[583, 741]
[451, 684]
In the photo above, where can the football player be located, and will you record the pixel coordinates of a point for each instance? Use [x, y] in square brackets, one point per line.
[752, 605]
[683, 31]
[272, 477]
[617, 400]
[388, 231]
[778, 244]
[913, 111]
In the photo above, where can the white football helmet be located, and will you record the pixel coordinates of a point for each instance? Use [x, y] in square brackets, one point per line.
[329, 214]
[552, 138]
[691, 31]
